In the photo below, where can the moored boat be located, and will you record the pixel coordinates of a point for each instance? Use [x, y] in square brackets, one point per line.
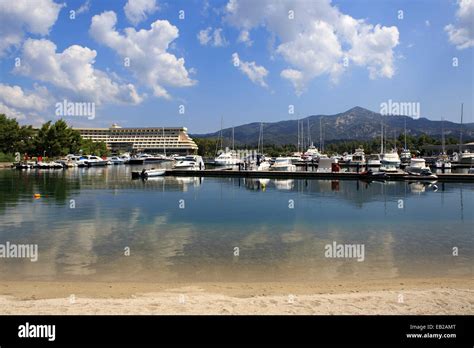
[418, 166]
[283, 164]
[148, 173]
[191, 162]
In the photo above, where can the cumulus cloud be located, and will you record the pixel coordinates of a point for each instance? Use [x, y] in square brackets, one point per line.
[147, 51]
[11, 112]
[19, 17]
[72, 70]
[316, 39]
[462, 33]
[137, 11]
[212, 37]
[256, 73]
[14, 96]
[24, 105]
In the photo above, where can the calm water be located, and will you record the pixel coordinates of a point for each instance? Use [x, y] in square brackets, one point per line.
[186, 229]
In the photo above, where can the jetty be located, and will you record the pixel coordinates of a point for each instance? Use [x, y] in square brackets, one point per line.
[442, 177]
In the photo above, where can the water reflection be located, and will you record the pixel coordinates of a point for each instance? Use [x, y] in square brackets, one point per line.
[186, 229]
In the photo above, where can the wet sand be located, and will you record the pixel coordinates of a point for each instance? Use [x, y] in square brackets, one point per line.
[392, 296]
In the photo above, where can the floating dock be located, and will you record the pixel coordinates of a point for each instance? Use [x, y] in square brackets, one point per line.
[445, 177]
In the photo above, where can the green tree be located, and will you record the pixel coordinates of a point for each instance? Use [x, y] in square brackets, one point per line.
[57, 139]
[88, 147]
[9, 134]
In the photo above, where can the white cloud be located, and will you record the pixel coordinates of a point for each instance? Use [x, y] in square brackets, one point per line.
[14, 96]
[137, 11]
[254, 72]
[204, 36]
[214, 38]
[11, 112]
[84, 7]
[244, 37]
[19, 16]
[24, 105]
[427, 23]
[72, 70]
[462, 33]
[150, 62]
[318, 38]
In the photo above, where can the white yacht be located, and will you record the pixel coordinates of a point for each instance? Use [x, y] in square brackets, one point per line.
[283, 164]
[94, 161]
[390, 161]
[125, 157]
[296, 157]
[91, 161]
[374, 160]
[116, 160]
[146, 158]
[70, 161]
[313, 154]
[418, 166]
[358, 157]
[191, 162]
[464, 157]
[227, 158]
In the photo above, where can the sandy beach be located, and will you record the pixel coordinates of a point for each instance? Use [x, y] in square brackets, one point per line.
[400, 296]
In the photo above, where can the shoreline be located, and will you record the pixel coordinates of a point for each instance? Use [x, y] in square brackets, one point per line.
[393, 296]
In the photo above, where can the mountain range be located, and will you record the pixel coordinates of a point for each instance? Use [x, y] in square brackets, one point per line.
[354, 124]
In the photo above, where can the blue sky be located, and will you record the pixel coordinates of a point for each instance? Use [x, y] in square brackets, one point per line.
[329, 57]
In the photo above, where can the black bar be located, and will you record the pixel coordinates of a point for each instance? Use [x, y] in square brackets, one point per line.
[225, 330]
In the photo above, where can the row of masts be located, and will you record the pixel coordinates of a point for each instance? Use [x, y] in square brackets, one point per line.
[301, 145]
[306, 141]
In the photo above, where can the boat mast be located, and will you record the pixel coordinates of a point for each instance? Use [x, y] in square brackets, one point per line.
[233, 139]
[309, 134]
[298, 146]
[443, 145]
[405, 133]
[460, 131]
[381, 135]
[320, 134]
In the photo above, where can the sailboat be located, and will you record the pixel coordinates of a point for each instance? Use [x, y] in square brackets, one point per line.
[463, 157]
[227, 157]
[405, 155]
[390, 160]
[443, 161]
[297, 156]
[260, 164]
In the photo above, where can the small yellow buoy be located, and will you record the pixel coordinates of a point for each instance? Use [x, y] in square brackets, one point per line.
[37, 195]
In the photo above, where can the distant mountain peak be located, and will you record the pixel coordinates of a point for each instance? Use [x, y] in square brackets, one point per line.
[357, 123]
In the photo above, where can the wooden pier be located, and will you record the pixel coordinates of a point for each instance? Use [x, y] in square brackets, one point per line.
[445, 177]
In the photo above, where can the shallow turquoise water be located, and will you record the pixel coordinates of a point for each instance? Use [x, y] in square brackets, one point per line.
[187, 229]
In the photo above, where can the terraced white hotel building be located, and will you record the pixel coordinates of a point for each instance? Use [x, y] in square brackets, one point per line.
[148, 139]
